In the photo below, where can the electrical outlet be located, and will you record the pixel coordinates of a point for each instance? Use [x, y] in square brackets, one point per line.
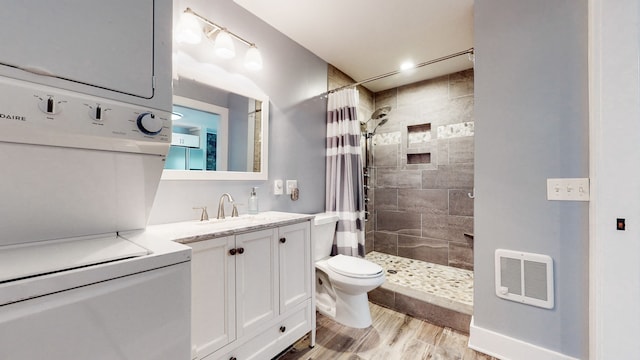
[291, 184]
[576, 189]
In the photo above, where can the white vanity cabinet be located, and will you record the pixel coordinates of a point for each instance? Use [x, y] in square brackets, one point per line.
[252, 292]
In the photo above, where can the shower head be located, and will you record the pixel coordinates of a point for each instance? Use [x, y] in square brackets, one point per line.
[382, 122]
[381, 113]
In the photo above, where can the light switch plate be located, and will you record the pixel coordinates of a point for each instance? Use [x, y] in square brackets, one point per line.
[291, 184]
[571, 189]
[278, 187]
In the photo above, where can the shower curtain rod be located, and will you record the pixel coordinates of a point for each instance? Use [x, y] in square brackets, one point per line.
[447, 57]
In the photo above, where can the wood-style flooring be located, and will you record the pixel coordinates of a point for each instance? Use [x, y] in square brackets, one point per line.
[391, 336]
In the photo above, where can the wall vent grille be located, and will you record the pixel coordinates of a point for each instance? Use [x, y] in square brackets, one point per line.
[524, 277]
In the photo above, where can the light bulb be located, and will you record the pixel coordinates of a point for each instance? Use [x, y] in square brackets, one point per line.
[188, 30]
[224, 45]
[253, 59]
[407, 65]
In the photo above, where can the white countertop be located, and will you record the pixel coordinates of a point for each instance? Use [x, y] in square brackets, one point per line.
[191, 231]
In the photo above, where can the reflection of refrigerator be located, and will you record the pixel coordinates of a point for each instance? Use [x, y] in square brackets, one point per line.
[177, 158]
[195, 158]
[185, 153]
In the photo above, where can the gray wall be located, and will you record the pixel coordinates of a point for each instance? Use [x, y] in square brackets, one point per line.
[532, 124]
[293, 78]
[238, 129]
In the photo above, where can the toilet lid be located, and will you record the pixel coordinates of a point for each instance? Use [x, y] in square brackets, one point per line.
[353, 266]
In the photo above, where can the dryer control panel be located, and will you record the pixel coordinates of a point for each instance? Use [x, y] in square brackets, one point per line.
[37, 114]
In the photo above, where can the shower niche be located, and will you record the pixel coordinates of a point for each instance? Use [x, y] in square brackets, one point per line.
[419, 158]
[418, 149]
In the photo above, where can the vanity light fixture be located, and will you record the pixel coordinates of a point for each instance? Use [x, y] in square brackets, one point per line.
[253, 59]
[223, 43]
[188, 29]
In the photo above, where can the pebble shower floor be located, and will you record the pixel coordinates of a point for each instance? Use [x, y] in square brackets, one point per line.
[448, 283]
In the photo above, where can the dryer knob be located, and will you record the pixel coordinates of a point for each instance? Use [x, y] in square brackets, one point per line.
[49, 106]
[97, 113]
[149, 124]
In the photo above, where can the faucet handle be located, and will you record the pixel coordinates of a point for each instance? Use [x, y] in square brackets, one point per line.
[204, 216]
[234, 212]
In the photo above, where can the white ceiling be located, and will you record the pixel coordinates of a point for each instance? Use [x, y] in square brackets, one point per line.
[367, 38]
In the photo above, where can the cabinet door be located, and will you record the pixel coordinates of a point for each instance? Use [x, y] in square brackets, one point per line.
[212, 295]
[257, 279]
[295, 265]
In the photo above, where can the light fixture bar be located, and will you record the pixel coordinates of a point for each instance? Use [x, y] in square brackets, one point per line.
[218, 27]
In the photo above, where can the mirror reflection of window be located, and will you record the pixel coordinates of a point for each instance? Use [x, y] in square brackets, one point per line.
[194, 140]
[212, 144]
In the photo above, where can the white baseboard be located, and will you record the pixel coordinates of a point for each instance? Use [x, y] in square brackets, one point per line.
[507, 348]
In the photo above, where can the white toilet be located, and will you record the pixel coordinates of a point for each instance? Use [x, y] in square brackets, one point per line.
[342, 282]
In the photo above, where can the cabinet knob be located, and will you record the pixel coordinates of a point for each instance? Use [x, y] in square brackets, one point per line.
[240, 250]
[283, 240]
[283, 329]
[232, 251]
[233, 358]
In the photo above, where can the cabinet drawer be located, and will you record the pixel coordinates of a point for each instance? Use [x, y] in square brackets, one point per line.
[278, 337]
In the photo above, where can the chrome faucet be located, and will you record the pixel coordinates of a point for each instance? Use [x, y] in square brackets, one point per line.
[234, 212]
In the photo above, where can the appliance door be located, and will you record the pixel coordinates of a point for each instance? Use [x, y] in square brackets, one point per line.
[83, 41]
[118, 49]
[143, 316]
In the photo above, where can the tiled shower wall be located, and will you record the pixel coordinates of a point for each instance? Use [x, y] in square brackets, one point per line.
[423, 172]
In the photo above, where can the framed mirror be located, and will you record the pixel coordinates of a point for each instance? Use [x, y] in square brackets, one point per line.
[221, 135]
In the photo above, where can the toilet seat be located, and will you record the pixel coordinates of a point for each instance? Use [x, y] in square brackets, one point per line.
[354, 267]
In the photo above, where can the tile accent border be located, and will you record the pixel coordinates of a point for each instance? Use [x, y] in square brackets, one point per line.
[456, 130]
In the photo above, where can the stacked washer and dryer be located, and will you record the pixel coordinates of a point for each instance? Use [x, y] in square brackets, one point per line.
[85, 101]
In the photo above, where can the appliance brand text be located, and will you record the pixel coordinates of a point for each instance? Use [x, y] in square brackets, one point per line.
[12, 117]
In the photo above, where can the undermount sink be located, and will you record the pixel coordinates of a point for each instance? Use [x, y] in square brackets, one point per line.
[268, 216]
[213, 221]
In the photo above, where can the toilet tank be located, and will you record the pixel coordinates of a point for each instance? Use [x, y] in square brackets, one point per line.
[324, 228]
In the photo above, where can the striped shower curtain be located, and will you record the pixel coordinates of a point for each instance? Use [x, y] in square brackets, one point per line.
[344, 190]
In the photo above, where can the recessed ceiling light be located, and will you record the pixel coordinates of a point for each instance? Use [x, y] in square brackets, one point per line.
[407, 65]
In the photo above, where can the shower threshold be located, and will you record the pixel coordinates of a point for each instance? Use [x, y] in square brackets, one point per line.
[440, 294]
